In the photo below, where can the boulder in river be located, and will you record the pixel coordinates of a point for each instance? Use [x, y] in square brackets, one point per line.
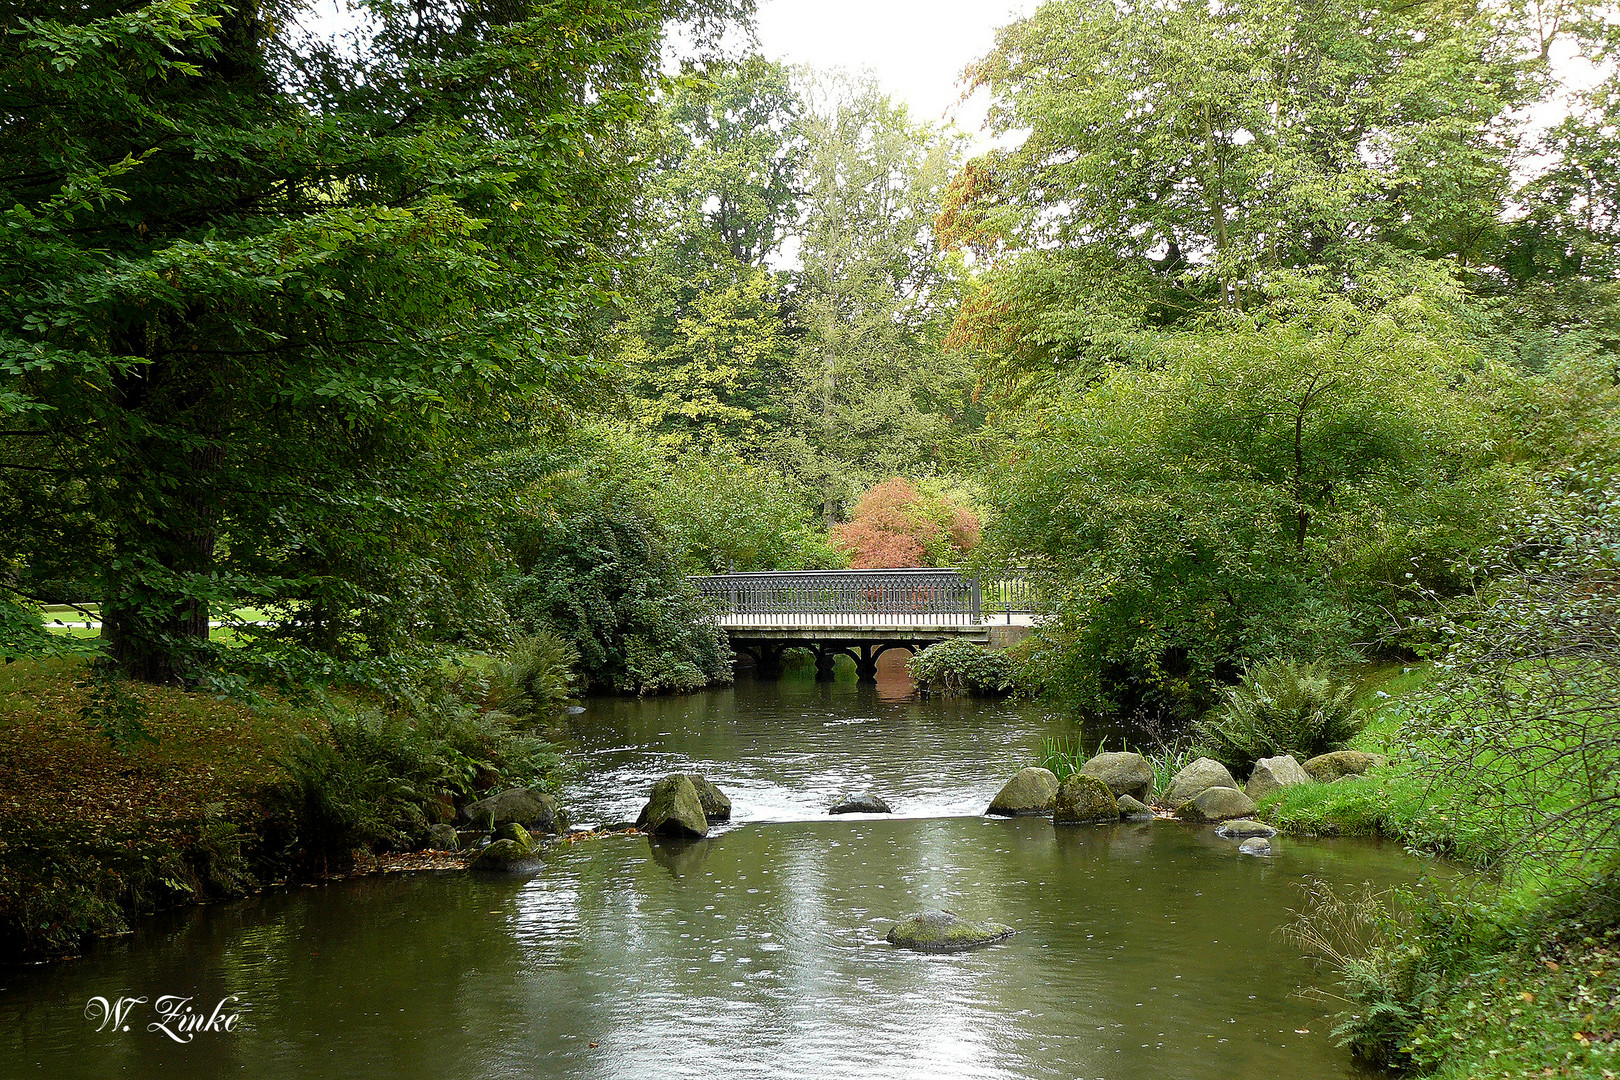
[945, 931]
[1032, 791]
[1125, 773]
[1132, 810]
[506, 857]
[1216, 804]
[1083, 800]
[1326, 768]
[1255, 845]
[865, 803]
[1272, 774]
[674, 809]
[532, 808]
[1243, 828]
[1199, 776]
[716, 807]
[513, 831]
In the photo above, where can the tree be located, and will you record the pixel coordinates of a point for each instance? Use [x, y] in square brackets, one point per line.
[705, 337]
[897, 525]
[262, 296]
[874, 394]
[1179, 157]
[1271, 487]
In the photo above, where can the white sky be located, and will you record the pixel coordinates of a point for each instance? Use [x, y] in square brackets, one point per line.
[916, 48]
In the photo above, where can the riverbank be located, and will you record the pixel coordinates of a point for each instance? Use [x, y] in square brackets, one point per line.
[116, 802]
[1502, 980]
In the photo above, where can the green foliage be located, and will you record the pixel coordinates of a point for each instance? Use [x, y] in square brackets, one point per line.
[535, 678]
[1061, 756]
[1280, 707]
[961, 667]
[264, 293]
[594, 566]
[723, 512]
[1259, 489]
[373, 781]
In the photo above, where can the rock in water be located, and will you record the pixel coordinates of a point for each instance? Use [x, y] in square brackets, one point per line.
[1032, 791]
[513, 831]
[1124, 773]
[536, 810]
[1272, 774]
[866, 803]
[442, 838]
[1200, 776]
[1216, 804]
[716, 807]
[674, 809]
[1243, 828]
[1255, 845]
[1082, 800]
[945, 931]
[1326, 768]
[1131, 810]
[506, 856]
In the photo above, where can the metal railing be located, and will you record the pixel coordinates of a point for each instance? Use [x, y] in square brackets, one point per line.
[926, 597]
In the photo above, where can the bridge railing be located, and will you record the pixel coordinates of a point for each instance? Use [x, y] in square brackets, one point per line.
[924, 597]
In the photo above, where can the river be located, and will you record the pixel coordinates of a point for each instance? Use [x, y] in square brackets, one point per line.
[1142, 950]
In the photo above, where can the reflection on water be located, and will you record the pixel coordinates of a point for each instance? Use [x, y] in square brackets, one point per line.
[1142, 949]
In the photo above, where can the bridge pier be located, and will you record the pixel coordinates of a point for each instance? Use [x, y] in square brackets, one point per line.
[866, 665]
[770, 660]
[825, 656]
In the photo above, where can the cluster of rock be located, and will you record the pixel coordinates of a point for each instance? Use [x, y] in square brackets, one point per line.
[1116, 786]
[514, 820]
[683, 806]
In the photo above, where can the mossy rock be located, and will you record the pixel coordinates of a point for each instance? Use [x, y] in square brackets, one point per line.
[674, 809]
[716, 806]
[1199, 776]
[1084, 800]
[1132, 810]
[1033, 791]
[517, 834]
[534, 809]
[1216, 804]
[866, 803]
[1125, 773]
[945, 931]
[505, 857]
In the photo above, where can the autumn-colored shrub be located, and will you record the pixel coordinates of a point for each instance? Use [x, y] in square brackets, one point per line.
[897, 525]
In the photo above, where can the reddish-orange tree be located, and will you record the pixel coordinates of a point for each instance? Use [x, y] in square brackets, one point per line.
[896, 525]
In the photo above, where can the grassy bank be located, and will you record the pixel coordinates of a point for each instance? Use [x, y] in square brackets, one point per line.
[1516, 975]
[117, 800]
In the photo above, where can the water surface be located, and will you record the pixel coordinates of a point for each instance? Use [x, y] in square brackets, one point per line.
[1142, 950]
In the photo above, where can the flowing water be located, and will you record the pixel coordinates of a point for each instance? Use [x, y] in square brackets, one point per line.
[1142, 950]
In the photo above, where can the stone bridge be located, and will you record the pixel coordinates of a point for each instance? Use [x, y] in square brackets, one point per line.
[863, 613]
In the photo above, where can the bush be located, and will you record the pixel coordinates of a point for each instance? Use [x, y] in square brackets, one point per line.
[1280, 707]
[374, 781]
[536, 677]
[596, 569]
[960, 667]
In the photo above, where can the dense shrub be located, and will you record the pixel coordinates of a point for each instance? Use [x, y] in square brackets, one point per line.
[896, 524]
[595, 568]
[374, 781]
[960, 667]
[1280, 707]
